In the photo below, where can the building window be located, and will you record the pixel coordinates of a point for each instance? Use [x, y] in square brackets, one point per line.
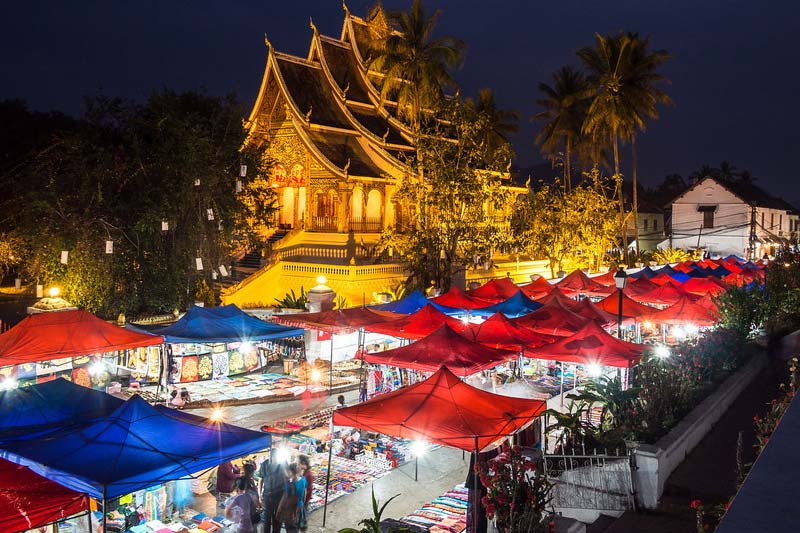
[762, 220]
[772, 221]
[655, 224]
[780, 222]
[645, 224]
[708, 215]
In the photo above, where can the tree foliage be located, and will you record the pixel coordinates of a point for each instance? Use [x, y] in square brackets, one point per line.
[157, 180]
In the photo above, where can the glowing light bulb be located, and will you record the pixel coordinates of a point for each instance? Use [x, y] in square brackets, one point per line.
[282, 455]
[316, 375]
[217, 414]
[8, 383]
[662, 351]
[594, 370]
[419, 448]
[97, 368]
[54, 292]
[321, 280]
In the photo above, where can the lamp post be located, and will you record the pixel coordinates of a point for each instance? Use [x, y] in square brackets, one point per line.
[620, 280]
[765, 260]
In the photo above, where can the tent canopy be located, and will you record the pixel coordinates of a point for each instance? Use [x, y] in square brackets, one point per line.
[134, 447]
[50, 405]
[501, 333]
[442, 410]
[222, 324]
[553, 319]
[405, 306]
[592, 345]
[496, 290]
[455, 298]
[664, 295]
[578, 282]
[415, 326]
[587, 309]
[684, 311]
[443, 347]
[557, 295]
[517, 305]
[630, 308]
[28, 500]
[703, 286]
[58, 334]
[340, 320]
[537, 288]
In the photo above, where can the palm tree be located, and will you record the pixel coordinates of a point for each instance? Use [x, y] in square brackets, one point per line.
[565, 105]
[612, 395]
[499, 123]
[728, 171]
[415, 65]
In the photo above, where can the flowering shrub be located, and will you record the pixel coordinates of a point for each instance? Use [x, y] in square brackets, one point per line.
[517, 494]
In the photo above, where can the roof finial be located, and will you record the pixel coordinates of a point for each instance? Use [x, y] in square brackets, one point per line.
[266, 41]
[308, 115]
[344, 6]
[386, 135]
[344, 91]
[346, 166]
[311, 23]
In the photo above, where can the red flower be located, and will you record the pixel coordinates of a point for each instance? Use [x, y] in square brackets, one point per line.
[695, 504]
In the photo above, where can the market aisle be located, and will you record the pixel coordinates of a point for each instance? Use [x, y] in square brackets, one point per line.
[439, 471]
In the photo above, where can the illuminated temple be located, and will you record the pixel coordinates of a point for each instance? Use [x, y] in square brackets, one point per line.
[339, 155]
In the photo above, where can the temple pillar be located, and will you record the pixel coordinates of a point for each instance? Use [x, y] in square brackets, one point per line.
[344, 210]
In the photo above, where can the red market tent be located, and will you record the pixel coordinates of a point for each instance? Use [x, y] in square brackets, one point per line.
[557, 295]
[683, 311]
[703, 286]
[639, 286]
[630, 308]
[587, 309]
[708, 302]
[499, 332]
[684, 267]
[458, 299]
[664, 278]
[553, 319]
[592, 345]
[496, 290]
[339, 321]
[606, 279]
[537, 288]
[664, 295]
[443, 347]
[443, 410]
[579, 283]
[28, 500]
[59, 334]
[416, 325]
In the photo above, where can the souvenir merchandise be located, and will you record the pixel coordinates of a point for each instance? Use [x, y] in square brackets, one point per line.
[445, 514]
[347, 476]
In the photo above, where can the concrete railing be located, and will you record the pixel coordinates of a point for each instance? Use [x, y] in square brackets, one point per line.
[655, 463]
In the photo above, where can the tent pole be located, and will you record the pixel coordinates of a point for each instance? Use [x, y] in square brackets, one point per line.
[360, 349]
[330, 372]
[105, 514]
[561, 365]
[476, 496]
[328, 475]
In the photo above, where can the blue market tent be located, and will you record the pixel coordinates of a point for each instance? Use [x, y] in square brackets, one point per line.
[134, 447]
[51, 405]
[222, 324]
[680, 277]
[515, 306]
[406, 306]
[646, 272]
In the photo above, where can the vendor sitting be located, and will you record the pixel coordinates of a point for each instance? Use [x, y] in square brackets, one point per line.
[351, 444]
[179, 400]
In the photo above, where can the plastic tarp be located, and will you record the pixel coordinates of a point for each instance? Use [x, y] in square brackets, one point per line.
[455, 298]
[553, 319]
[222, 324]
[134, 447]
[499, 332]
[405, 306]
[592, 345]
[340, 320]
[684, 311]
[630, 308]
[443, 410]
[578, 282]
[417, 325]
[51, 405]
[495, 290]
[443, 347]
[28, 500]
[60, 334]
[537, 288]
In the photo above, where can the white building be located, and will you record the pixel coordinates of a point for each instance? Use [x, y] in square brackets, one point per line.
[724, 218]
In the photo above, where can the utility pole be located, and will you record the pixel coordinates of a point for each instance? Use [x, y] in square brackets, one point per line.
[752, 232]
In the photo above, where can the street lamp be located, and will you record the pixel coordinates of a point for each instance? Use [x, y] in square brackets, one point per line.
[620, 280]
[765, 259]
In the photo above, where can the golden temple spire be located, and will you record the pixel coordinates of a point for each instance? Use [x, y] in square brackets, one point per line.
[311, 23]
[266, 41]
[346, 11]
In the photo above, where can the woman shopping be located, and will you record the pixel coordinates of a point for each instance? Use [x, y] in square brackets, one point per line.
[291, 510]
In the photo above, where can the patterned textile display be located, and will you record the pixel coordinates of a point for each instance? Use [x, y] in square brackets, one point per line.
[188, 368]
[445, 514]
[205, 367]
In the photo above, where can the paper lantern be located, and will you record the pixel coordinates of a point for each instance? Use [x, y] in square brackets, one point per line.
[164, 225]
[210, 214]
[223, 271]
[64, 257]
[242, 170]
[198, 262]
[238, 185]
[109, 247]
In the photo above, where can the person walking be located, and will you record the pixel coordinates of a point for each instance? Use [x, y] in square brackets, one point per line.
[305, 470]
[291, 509]
[271, 486]
[239, 508]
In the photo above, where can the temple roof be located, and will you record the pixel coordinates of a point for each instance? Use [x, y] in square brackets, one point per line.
[345, 152]
[342, 65]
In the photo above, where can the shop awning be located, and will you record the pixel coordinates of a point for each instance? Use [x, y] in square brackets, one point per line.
[630, 308]
[443, 410]
[579, 283]
[455, 298]
[537, 288]
[499, 332]
[443, 347]
[29, 501]
[592, 345]
[51, 405]
[415, 326]
[54, 335]
[683, 311]
[405, 306]
[134, 447]
[222, 324]
[340, 321]
[553, 319]
[495, 290]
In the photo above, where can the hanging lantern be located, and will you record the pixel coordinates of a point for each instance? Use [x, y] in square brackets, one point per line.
[441, 254]
[242, 170]
[223, 271]
[64, 257]
[210, 214]
[109, 247]
[197, 182]
[198, 263]
[238, 185]
[164, 225]
[214, 274]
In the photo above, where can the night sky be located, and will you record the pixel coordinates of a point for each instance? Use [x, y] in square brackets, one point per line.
[734, 69]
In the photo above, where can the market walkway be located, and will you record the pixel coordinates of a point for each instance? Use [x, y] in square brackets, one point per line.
[709, 472]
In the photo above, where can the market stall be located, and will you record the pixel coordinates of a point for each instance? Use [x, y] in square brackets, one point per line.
[73, 344]
[553, 319]
[578, 283]
[495, 290]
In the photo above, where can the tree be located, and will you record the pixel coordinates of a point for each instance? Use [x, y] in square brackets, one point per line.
[565, 104]
[457, 201]
[415, 64]
[156, 180]
[498, 124]
[617, 401]
[12, 252]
